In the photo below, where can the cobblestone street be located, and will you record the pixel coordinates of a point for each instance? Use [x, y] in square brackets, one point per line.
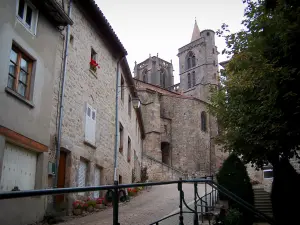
[148, 207]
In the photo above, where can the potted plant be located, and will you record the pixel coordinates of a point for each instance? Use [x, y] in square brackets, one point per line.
[99, 203]
[94, 65]
[90, 205]
[77, 207]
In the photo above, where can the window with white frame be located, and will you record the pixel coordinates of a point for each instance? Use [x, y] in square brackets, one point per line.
[82, 174]
[27, 14]
[90, 124]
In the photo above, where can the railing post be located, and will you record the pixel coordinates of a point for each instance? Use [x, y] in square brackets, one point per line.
[180, 203]
[196, 221]
[206, 195]
[116, 204]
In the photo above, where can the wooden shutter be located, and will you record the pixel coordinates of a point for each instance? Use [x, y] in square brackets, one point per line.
[97, 177]
[18, 168]
[90, 124]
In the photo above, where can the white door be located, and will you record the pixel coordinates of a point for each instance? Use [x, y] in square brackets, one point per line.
[97, 177]
[18, 168]
[82, 174]
[90, 124]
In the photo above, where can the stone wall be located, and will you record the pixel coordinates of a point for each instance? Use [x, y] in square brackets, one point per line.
[98, 90]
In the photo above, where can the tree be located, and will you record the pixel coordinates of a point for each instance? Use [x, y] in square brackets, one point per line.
[234, 177]
[258, 102]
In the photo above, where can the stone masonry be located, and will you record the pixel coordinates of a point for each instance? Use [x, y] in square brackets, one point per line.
[98, 89]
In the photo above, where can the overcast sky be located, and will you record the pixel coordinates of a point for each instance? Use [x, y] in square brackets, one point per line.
[162, 26]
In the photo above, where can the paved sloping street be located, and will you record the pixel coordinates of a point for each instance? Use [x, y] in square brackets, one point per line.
[146, 208]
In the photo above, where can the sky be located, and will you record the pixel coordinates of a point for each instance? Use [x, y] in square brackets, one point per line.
[163, 26]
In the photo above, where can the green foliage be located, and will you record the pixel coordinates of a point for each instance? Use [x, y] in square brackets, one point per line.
[233, 217]
[258, 102]
[234, 177]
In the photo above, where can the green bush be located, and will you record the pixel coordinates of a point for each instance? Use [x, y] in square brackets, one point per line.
[234, 177]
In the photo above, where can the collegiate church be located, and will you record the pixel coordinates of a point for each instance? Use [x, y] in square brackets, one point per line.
[179, 131]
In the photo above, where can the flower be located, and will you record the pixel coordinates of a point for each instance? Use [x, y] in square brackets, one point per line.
[94, 64]
[99, 200]
[77, 204]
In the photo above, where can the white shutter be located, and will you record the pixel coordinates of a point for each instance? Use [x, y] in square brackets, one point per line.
[97, 177]
[90, 124]
[82, 174]
[18, 169]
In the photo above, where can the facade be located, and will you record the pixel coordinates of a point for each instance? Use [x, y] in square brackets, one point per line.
[26, 82]
[155, 70]
[88, 127]
[179, 130]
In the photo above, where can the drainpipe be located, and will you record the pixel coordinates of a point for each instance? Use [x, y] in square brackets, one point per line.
[117, 122]
[61, 99]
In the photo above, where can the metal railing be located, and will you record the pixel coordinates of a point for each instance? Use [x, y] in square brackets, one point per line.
[202, 208]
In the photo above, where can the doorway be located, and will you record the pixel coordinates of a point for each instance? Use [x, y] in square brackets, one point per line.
[61, 175]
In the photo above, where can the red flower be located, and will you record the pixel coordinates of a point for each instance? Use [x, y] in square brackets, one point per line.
[94, 63]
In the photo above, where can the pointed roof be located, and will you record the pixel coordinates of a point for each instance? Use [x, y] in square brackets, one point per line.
[196, 32]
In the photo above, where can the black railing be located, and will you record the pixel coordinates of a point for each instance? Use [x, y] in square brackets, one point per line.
[203, 206]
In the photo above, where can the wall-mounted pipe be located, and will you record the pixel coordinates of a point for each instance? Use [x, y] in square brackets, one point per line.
[61, 98]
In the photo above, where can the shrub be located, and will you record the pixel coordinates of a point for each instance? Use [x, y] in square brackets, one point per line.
[234, 177]
[285, 190]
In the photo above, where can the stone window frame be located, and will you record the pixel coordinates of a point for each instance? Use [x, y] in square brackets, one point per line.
[203, 121]
[189, 81]
[194, 78]
[190, 60]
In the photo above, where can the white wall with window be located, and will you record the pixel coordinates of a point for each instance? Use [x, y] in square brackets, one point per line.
[27, 15]
[90, 125]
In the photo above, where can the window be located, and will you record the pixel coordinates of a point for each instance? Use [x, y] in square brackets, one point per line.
[129, 106]
[145, 76]
[162, 78]
[82, 174]
[90, 124]
[18, 168]
[191, 60]
[20, 72]
[194, 78]
[129, 150]
[189, 80]
[93, 63]
[122, 88]
[203, 121]
[27, 15]
[268, 172]
[121, 130]
[207, 33]
[97, 181]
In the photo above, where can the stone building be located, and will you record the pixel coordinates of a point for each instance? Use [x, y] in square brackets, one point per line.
[179, 131]
[28, 40]
[88, 125]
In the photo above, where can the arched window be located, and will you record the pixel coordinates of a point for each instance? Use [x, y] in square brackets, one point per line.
[145, 76]
[162, 78]
[194, 79]
[189, 80]
[190, 60]
[203, 121]
[193, 61]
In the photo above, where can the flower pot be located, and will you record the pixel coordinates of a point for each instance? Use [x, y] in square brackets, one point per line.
[99, 206]
[90, 208]
[77, 212]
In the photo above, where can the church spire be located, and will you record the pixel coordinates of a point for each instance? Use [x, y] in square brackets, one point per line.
[196, 32]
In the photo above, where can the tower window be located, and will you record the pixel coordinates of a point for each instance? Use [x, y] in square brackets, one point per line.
[162, 78]
[194, 78]
[145, 76]
[190, 60]
[203, 121]
[189, 80]
[207, 34]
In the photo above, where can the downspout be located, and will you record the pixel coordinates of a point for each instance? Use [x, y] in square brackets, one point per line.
[61, 98]
[117, 122]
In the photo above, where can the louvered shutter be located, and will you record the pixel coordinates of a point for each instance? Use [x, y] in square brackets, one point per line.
[82, 173]
[97, 177]
[90, 124]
